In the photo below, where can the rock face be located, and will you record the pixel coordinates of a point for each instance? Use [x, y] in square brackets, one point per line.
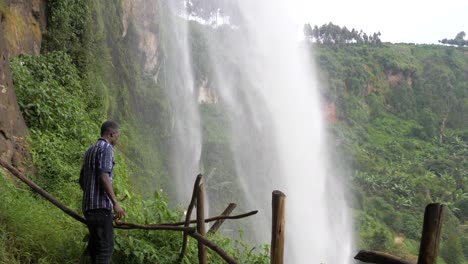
[21, 24]
[206, 95]
[144, 14]
[398, 78]
[13, 147]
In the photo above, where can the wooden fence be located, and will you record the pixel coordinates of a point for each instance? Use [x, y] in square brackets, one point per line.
[427, 254]
[198, 232]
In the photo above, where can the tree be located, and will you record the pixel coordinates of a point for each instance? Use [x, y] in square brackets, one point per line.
[459, 40]
[331, 34]
[308, 31]
[210, 10]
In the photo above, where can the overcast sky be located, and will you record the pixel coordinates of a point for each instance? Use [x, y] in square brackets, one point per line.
[410, 21]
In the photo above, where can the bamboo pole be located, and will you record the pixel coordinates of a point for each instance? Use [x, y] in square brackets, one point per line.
[277, 230]
[219, 222]
[429, 247]
[378, 257]
[202, 257]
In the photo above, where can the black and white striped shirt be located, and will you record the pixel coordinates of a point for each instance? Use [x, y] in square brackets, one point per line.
[98, 158]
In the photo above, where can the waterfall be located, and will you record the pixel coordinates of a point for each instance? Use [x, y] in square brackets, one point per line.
[268, 94]
[185, 142]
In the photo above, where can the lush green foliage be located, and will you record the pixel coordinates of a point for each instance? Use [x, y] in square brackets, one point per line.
[62, 115]
[68, 24]
[402, 127]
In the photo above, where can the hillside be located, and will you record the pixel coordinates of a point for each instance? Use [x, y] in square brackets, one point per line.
[401, 124]
[398, 131]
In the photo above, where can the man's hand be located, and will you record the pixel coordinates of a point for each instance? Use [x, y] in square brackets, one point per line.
[105, 180]
[118, 212]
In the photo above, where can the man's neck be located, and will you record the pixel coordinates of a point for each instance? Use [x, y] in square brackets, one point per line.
[106, 138]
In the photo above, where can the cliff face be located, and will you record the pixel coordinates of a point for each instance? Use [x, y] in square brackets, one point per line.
[21, 26]
[144, 15]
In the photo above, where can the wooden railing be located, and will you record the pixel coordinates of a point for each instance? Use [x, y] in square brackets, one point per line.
[428, 252]
[429, 246]
[198, 232]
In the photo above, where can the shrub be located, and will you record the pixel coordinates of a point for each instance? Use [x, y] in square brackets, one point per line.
[62, 115]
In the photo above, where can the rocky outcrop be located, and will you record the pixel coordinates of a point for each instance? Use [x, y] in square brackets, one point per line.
[329, 111]
[23, 23]
[144, 15]
[21, 26]
[397, 78]
[206, 95]
[13, 146]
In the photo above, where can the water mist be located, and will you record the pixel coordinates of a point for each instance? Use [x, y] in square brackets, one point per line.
[266, 85]
[185, 142]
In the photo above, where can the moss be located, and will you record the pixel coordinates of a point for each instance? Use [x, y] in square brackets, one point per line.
[14, 27]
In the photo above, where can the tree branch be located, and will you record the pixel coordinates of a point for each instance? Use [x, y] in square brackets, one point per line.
[42, 192]
[214, 218]
[122, 225]
[219, 222]
[213, 247]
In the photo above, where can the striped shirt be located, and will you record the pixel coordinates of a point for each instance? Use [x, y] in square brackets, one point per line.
[98, 158]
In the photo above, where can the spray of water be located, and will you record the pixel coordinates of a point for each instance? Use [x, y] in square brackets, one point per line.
[265, 82]
[179, 82]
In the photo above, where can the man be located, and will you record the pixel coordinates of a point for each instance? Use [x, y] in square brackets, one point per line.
[96, 178]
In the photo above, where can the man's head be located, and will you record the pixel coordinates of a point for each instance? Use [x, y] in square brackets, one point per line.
[110, 131]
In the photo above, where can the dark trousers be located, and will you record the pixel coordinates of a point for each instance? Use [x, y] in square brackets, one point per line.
[101, 235]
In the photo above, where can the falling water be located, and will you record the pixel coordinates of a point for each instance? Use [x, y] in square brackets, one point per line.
[179, 82]
[266, 85]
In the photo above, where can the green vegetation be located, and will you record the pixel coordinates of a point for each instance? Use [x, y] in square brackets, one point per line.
[88, 73]
[34, 231]
[60, 113]
[402, 127]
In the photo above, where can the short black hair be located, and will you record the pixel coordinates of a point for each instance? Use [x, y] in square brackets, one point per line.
[108, 126]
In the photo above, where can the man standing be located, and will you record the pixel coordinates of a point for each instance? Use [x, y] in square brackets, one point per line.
[96, 178]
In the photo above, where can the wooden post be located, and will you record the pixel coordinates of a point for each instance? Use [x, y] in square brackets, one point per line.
[219, 222]
[202, 258]
[429, 247]
[186, 223]
[277, 230]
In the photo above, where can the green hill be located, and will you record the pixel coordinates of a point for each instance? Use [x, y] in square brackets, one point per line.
[401, 126]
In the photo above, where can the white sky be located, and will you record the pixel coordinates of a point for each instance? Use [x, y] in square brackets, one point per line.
[410, 21]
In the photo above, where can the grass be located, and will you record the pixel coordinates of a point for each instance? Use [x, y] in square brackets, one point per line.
[33, 230]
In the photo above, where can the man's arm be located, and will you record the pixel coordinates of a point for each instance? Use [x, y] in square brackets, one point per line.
[106, 183]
